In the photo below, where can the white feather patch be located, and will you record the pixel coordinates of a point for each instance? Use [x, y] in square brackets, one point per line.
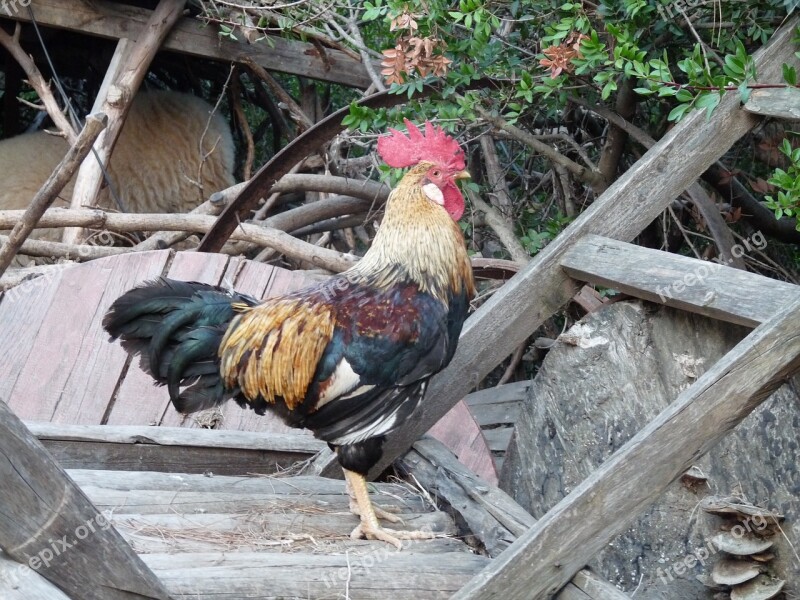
[433, 193]
[342, 381]
[358, 391]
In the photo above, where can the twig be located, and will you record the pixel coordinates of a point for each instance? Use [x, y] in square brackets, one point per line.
[355, 32]
[512, 366]
[244, 126]
[501, 228]
[51, 188]
[118, 101]
[298, 116]
[264, 236]
[81, 252]
[35, 78]
[592, 178]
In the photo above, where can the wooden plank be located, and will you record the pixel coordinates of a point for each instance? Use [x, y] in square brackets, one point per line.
[375, 574]
[147, 502]
[459, 431]
[264, 526]
[89, 560]
[139, 401]
[112, 20]
[19, 582]
[602, 506]
[778, 103]
[22, 312]
[702, 287]
[171, 449]
[492, 515]
[70, 359]
[502, 323]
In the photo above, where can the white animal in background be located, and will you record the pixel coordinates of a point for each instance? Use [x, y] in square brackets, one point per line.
[169, 143]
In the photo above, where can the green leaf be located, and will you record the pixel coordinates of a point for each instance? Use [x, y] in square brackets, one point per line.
[676, 113]
[789, 74]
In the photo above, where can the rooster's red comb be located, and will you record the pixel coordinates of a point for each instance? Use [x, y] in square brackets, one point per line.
[399, 150]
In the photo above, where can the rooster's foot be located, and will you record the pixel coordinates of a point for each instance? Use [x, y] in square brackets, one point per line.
[392, 536]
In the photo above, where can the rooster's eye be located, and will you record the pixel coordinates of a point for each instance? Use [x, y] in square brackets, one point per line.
[436, 173]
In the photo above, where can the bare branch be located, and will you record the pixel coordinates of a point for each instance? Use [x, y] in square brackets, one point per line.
[35, 78]
[50, 190]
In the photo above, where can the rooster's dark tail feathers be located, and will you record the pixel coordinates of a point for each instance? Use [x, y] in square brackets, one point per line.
[176, 327]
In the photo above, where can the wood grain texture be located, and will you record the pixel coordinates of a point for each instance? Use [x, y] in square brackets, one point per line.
[778, 103]
[621, 212]
[595, 391]
[491, 514]
[571, 533]
[702, 287]
[41, 504]
[20, 582]
[370, 575]
[173, 449]
[72, 370]
[113, 21]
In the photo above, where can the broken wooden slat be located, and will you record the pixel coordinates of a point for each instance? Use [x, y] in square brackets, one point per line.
[491, 514]
[173, 449]
[502, 323]
[112, 20]
[702, 287]
[48, 523]
[602, 506]
[778, 103]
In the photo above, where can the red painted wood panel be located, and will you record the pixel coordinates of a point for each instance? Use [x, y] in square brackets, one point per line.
[22, 311]
[72, 371]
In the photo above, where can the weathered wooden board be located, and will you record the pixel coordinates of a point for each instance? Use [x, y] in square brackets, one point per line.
[374, 574]
[491, 514]
[19, 582]
[595, 391]
[48, 523]
[541, 561]
[778, 103]
[22, 321]
[702, 287]
[114, 20]
[85, 377]
[172, 449]
[622, 212]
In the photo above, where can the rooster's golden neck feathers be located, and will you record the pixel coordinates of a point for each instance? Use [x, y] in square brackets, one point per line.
[418, 241]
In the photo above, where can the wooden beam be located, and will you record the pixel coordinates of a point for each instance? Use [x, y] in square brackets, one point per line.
[540, 562]
[493, 516]
[112, 20]
[778, 103]
[174, 449]
[622, 212]
[702, 287]
[47, 522]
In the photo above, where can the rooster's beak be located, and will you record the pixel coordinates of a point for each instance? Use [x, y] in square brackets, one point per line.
[462, 175]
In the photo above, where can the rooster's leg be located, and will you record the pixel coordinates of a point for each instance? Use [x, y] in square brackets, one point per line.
[381, 513]
[369, 527]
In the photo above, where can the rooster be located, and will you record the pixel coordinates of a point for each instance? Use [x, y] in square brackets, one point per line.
[350, 358]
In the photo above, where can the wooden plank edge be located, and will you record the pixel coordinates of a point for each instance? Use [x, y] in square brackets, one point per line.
[177, 436]
[702, 287]
[541, 561]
